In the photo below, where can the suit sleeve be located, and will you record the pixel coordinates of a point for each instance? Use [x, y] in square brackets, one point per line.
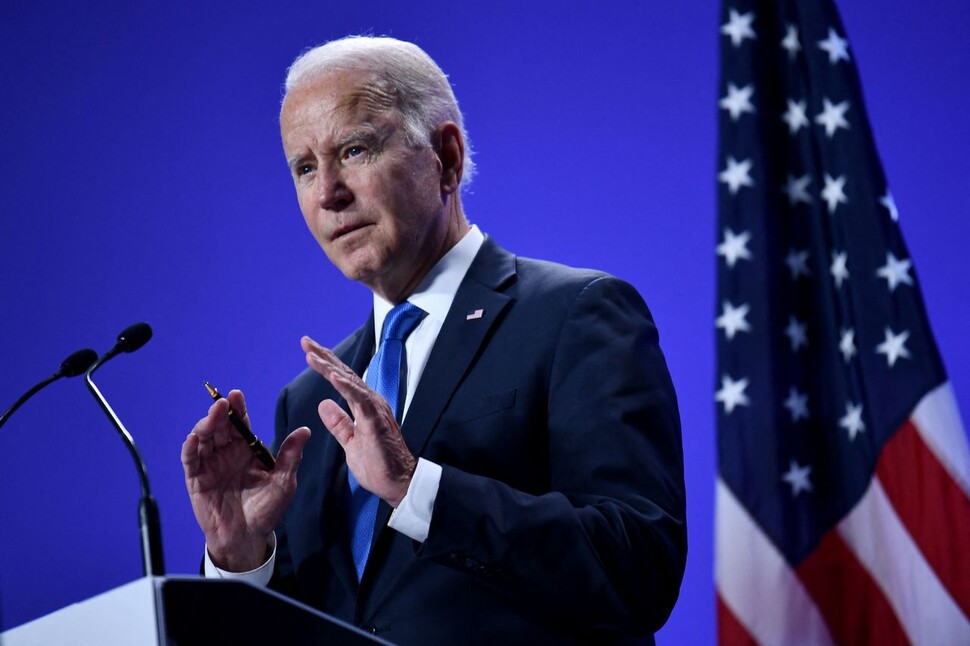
[283, 579]
[605, 547]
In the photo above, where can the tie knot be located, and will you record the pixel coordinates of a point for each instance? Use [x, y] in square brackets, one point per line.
[401, 321]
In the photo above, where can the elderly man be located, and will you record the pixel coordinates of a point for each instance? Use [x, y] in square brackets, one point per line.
[495, 454]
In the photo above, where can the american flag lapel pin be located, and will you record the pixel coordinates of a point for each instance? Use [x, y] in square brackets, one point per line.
[474, 315]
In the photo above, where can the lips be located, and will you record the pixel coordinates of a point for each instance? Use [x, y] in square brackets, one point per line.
[347, 229]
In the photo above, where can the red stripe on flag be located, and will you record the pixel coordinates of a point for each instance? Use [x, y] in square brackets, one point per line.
[932, 506]
[730, 632]
[854, 607]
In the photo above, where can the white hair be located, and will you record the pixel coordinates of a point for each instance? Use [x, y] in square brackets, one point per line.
[405, 78]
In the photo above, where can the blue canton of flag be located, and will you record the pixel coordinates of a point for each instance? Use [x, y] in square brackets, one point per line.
[843, 513]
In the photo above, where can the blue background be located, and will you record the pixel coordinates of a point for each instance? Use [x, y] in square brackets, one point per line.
[141, 178]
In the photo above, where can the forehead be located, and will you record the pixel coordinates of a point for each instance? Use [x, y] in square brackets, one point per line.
[333, 101]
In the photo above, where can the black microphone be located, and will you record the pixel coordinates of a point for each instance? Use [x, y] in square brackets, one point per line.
[152, 559]
[74, 365]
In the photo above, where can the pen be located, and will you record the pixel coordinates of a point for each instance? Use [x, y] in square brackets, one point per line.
[258, 447]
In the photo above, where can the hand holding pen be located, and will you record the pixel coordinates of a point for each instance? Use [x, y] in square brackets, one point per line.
[237, 501]
[234, 418]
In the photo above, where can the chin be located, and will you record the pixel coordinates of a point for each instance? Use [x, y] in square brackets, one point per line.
[359, 271]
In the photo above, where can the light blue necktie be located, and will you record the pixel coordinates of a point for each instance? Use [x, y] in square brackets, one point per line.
[384, 375]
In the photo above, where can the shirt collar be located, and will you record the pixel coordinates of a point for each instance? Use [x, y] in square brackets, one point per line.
[437, 291]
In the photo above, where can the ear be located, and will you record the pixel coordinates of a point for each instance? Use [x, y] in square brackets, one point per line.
[450, 150]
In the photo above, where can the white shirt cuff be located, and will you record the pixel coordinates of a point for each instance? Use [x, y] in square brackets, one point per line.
[413, 516]
[259, 577]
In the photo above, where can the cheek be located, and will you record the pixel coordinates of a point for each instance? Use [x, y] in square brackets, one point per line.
[416, 195]
[309, 211]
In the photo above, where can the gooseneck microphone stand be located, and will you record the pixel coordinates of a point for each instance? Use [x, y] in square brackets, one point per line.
[130, 339]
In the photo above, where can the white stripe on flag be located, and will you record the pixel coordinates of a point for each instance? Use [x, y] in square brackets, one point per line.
[874, 533]
[756, 583]
[938, 421]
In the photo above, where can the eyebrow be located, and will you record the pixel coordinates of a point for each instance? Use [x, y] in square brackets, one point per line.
[295, 160]
[374, 129]
[366, 132]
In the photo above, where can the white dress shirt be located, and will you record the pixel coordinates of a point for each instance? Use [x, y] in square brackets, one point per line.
[434, 295]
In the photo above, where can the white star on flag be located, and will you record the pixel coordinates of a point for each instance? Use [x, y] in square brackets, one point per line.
[840, 269]
[738, 27]
[797, 477]
[832, 116]
[852, 420]
[890, 204]
[834, 192]
[797, 189]
[894, 346]
[847, 344]
[732, 394]
[738, 100]
[790, 42]
[795, 116]
[733, 319]
[796, 333]
[797, 404]
[837, 48]
[797, 262]
[736, 174]
[734, 247]
[895, 271]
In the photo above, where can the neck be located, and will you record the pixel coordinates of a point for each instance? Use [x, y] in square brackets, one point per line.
[454, 228]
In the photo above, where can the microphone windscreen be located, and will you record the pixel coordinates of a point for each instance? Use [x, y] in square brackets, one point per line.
[133, 337]
[78, 363]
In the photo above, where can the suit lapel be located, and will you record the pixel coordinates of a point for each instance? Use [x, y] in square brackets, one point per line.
[360, 351]
[477, 308]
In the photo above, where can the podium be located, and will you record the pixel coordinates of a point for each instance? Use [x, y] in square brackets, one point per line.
[186, 611]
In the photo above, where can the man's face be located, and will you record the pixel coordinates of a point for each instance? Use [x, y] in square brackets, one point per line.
[372, 201]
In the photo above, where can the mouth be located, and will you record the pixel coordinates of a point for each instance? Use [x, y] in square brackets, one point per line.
[347, 229]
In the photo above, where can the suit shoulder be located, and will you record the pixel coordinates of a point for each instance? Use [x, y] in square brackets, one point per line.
[497, 268]
[552, 291]
[553, 275]
[542, 277]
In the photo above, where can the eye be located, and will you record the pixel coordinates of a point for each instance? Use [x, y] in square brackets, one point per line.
[353, 151]
[302, 168]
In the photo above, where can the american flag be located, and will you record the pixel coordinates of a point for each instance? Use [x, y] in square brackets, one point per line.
[843, 513]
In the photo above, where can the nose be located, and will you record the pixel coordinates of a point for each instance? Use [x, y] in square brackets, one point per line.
[333, 194]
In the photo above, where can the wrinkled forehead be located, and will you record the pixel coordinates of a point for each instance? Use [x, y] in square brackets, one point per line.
[339, 94]
[371, 94]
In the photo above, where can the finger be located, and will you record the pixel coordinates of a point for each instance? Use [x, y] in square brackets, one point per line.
[218, 428]
[291, 451]
[363, 402]
[345, 381]
[203, 438]
[213, 429]
[323, 360]
[306, 343]
[337, 421]
[190, 455]
[311, 348]
[238, 403]
[309, 345]
[206, 427]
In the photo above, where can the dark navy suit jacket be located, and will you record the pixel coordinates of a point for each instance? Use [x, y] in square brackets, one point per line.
[560, 516]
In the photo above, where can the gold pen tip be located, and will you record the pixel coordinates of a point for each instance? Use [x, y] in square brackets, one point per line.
[212, 391]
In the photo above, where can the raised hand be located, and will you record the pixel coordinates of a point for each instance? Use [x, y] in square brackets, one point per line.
[236, 501]
[376, 452]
